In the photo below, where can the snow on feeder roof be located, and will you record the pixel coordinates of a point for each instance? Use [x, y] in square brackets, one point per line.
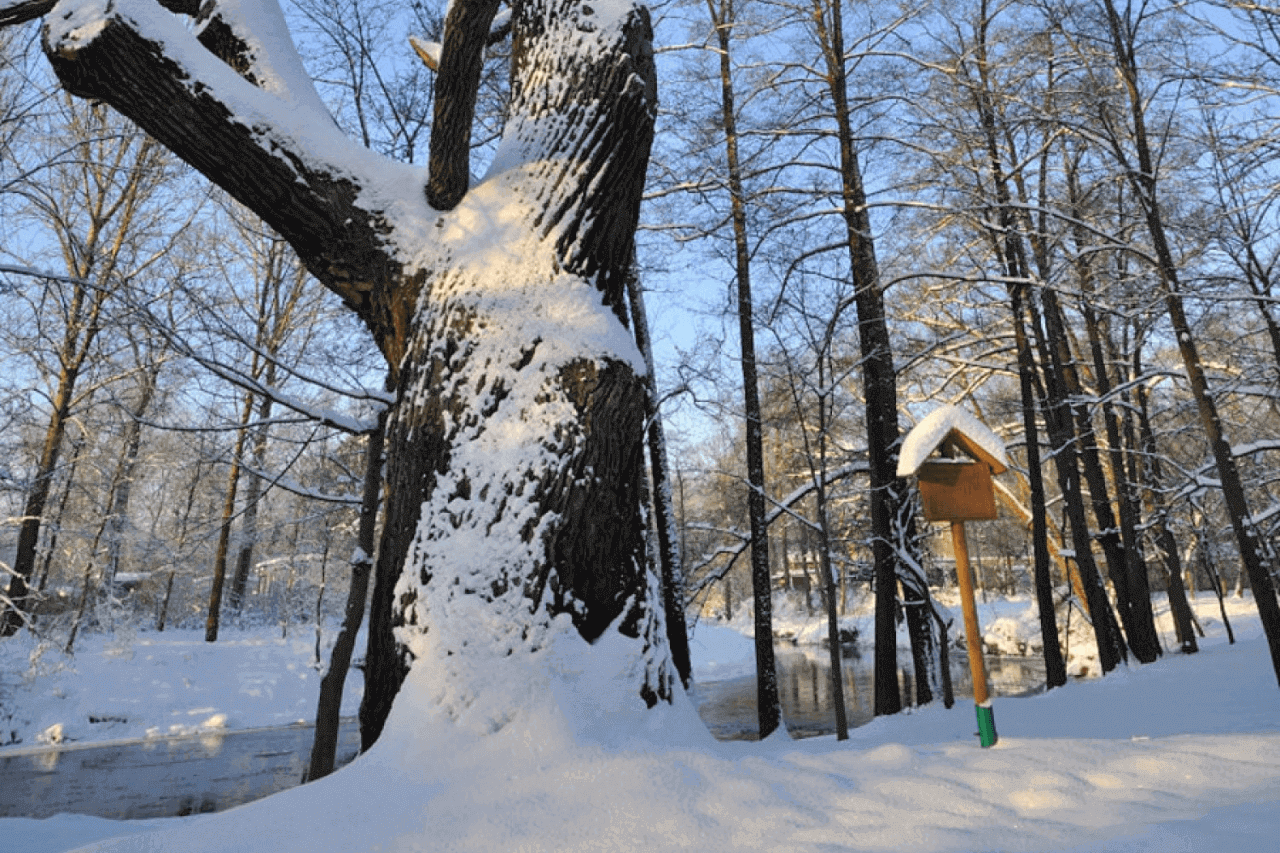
[951, 428]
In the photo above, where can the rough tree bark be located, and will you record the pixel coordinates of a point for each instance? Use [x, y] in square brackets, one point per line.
[515, 444]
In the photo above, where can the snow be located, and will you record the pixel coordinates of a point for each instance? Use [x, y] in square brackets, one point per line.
[429, 51]
[510, 731]
[1179, 755]
[260, 24]
[719, 652]
[148, 685]
[925, 437]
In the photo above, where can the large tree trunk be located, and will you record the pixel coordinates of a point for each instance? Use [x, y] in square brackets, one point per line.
[1011, 254]
[515, 445]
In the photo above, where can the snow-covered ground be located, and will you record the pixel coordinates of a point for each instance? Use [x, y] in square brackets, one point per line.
[1179, 755]
[146, 685]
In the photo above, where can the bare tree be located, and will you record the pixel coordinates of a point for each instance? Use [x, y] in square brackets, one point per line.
[94, 207]
[768, 706]
[1132, 148]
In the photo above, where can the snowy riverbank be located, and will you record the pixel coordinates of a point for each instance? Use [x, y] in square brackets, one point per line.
[1178, 755]
[136, 685]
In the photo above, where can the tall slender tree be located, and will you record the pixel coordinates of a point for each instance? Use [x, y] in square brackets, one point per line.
[768, 705]
[1132, 148]
[888, 493]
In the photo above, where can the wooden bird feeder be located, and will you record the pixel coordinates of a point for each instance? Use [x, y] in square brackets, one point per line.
[955, 488]
[954, 456]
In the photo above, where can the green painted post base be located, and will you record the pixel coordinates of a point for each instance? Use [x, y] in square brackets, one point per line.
[986, 725]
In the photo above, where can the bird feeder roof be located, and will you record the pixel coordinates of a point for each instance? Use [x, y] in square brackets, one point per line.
[948, 429]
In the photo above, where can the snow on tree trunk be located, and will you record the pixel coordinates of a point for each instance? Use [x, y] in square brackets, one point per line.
[515, 446]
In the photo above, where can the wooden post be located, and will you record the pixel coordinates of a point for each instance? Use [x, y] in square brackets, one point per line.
[955, 489]
[973, 639]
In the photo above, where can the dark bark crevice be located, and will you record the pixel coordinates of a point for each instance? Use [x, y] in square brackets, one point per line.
[600, 489]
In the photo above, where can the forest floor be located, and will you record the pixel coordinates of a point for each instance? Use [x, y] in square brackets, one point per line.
[1179, 755]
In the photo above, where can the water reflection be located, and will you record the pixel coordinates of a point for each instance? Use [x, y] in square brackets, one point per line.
[804, 689]
[162, 778]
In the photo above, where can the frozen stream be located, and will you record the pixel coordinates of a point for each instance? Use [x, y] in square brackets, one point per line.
[212, 772]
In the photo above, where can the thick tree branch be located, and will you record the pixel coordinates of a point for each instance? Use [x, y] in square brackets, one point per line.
[290, 166]
[429, 51]
[12, 14]
[20, 12]
[255, 41]
[589, 138]
[466, 32]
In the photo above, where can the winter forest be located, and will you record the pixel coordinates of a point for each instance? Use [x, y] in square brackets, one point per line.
[470, 327]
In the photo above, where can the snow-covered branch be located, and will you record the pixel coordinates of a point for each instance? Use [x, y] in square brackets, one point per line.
[273, 148]
[252, 38]
[781, 506]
